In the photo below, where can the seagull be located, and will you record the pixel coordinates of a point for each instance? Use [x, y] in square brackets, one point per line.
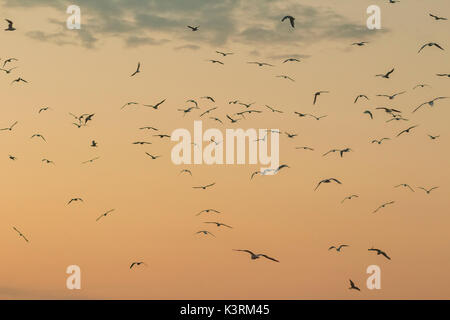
[421, 86]
[47, 161]
[224, 53]
[8, 71]
[148, 128]
[285, 77]
[397, 118]
[193, 28]
[385, 76]
[138, 69]
[318, 93]
[291, 60]
[388, 110]
[405, 185]
[256, 256]
[10, 25]
[291, 135]
[20, 234]
[137, 264]
[430, 103]
[10, 128]
[327, 181]
[156, 105]
[43, 109]
[272, 109]
[429, 190]
[291, 20]
[105, 214]
[12, 158]
[407, 130]
[204, 187]
[392, 96]
[433, 137]
[261, 64]
[232, 120]
[281, 167]
[369, 113]
[91, 160]
[317, 118]
[350, 197]
[208, 98]
[208, 111]
[443, 75]
[338, 248]
[152, 156]
[378, 251]
[161, 136]
[216, 61]
[380, 141]
[19, 80]
[384, 205]
[129, 104]
[305, 148]
[207, 211]
[437, 17]
[352, 286]
[216, 119]
[186, 171]
[430, 44]
[94, 144]
[141, 142]
[37, 135]
[361, 96]
[360, 44]
[75, 200]
[205, 232]
[9, 60]
[219, 224]
[341, 151]
[185, 111]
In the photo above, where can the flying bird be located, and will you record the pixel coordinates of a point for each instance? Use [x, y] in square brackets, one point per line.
[428, 190]
[369, 113]
[386, 75]
[285, 77]
[21, 234]
[156, 105]
[47, 161]
[405, 185]
[380, 252]
[37, 135]
[360, 44]
[407, 130]
[75, 200]
[327, 181]
[152, 156]
[207, 211]
[129, 104]
[204, 187]
[430, 44]
[205, 232]
[138, 69]
[383, 206]
[254, 256]
[338, 248]
[18, 80]
[186, 171]
[430, 103]
[272, 109]
[193, 28]
[443, 75]
[391, 97]
[353, 286]
[161, 136]
[291, 60]
[421, 86]
[318, 93]
[9, 60]
[380, 141]
[437, 17]
[10, 128]
[137, 264]
[291, 20]
[219, 224]
[105, 214]
[261, 64]
[10, 25]
[91, 160]
[350, 197]
[360, 96]
[433, 137]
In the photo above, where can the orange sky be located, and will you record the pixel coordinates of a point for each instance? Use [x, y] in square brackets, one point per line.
[279, 215]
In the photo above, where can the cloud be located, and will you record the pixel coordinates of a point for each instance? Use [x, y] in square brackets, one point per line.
[188, 46]
[255, 23]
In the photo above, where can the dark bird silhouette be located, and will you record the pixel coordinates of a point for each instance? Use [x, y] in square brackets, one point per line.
[208, 98]
[386, 75]
[137, 264]
[388, 110]
[369, 113]
[21, 234]
[433, 137]
[338, 248]
[8, 71]
[138, 69]
[430, 44]
[353, 286]
[105, 214]
[75, 200]
[285, 77]
[327, 181]
[261, 64]
[443, 75]
[219, 224]
[224, 54]
[391, 97]
[428, 191]
[272, 109]
[208, 111]
[205, 232]
[18, 80]
[350, 197]
[148, 128]
[254, 256]
[421, 86]
[193, 28]
[37, 135]
[47, 161]
[384, 205]
[216, 61]
[232, 120]
[380, 141]
[129, 104]
[360, 96]
[204, 187]
[10, 25]
[43, 109]
[380, 252]
[10, 128]
[407, 130]
[207, 211]
[216, 119]
[152, 156]
[161, 136]
[291, 60]
[359, 44]
[430, 103]
[318, 93]
[437, 17]
[91, 160]
[186, 171]
[94, 144]
[8, 61]
[291, 20]
[405, 185]
[291, 135]
[305, 148]
[13, 158]
[156, 105]
[141, 143]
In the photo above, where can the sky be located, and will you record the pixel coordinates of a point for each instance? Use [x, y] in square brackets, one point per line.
[88, 71]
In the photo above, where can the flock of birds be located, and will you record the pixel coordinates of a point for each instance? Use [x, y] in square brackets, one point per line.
[394, 114]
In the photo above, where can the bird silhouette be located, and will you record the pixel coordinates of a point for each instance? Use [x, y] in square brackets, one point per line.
[350, 197]
[205, 187]
[428, 191]
[430, 103]
[194, 28]
[437, 17]
[21, 234]
[384, 205]
[327, 181]
[291, 20]
[10, 25]
[318, 93]
[353, 286]
[156, 106]
[405, 185]
[205, 232]
[386, 75]
[138, 263]
[359, 97]
[105, 214]
[430, 44]
[138, 70]
[219, 224]
[11, 127]
[75, 200]
[338, 248]
[255, 256]
[380, 252]
[408, 130]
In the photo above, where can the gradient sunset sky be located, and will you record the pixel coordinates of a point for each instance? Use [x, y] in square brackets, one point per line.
[88, 71]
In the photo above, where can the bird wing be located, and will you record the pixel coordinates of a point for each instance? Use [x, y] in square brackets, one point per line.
[267, 257]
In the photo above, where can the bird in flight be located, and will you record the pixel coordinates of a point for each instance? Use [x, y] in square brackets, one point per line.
[285, 77]
[94, 144]
[430, 103]
[208, 98]
[224, 54]
[138, 263]
[9, 60]
[391, 97]
[43, 109]
[18, 80]
[138, 69]
[305, 148]
[91, 160]
[232, 120]
[219, 224]
[10, 128]
[272, 109]
[207, 211]
[291, 60]
[141, 142]
[360, 96]
[360, 44]
[105, 214]
[216, 119]
[380, 141]
[21, 234]
[161, 136]
[378, 251]
[291, 135]
[407, 130]
[216, 61]
[48, 161]
[129, 104]
[205, 232]
[37, 135]
[386, 75]
[353, 286]
[430, 44]
[388, 110]
[433, 137]
[369, 113]
[208, 111]
[428, 190]
[10, 25]
[254, 256]
[318, 93]
[350, 197]
[152, 156]
[405, 185]
[8, 71]
[193, 28]
[341, 151]
[13, 158]
[327, 181]
[261, 64]
[422, 85]
[186, 171]
[75, 200]
[383, 206]
[437, 17]
[291, 20]
[156, 105]
[443, 75]
[204, 187]
[338, 248]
